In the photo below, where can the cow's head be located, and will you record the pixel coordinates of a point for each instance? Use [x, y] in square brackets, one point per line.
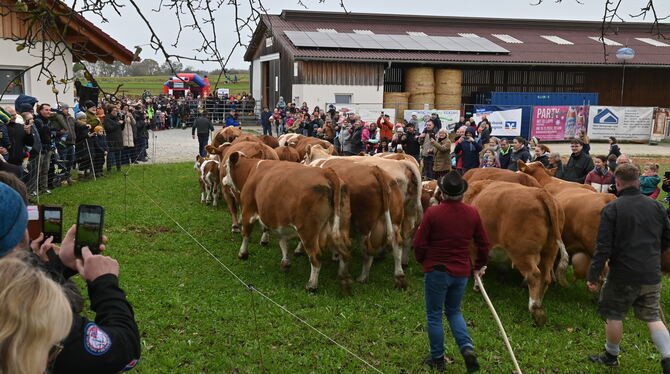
[317, 152]
[535, 169]
[198, 162]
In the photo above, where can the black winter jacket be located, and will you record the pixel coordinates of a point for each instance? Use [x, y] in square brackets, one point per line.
[634, 231]
[114, 128]
[578, 167]
[521, 154]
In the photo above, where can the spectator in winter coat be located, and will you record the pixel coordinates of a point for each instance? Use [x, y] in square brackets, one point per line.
[485, 133]
[437, 123]
[425, 139]
[441, 154]
[20, 136]
[519, 152]
[579, 164]
[490, 158]
[328, 130]
[410, 143]
[385, 127]
[63, 123]
[231, 119]
[265, 121]
[281, 104]
[350, 139]
[370, 138]
[600, 177]
[470, 149]
[614, 147]
[100, 151]
[555, 162]
[114, 126]
[542, 154]
[504, 153]
[649, 180]
[202, 126]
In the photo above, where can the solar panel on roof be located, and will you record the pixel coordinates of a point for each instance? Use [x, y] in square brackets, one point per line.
[393, 42]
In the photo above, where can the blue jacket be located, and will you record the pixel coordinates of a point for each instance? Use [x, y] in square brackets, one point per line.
[470, 153]
[230, 121]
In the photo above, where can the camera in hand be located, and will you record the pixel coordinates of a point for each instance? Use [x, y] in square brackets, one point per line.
[89, 228]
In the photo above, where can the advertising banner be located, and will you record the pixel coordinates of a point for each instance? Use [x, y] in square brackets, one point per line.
[447, 117]
[368, 112]
[555, 123]
[505, 121]
[661, 124]
[625, 123]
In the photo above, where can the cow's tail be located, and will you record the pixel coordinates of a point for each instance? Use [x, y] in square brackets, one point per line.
[336, 186]
[415, 182]
[386, 202]
[557, 217]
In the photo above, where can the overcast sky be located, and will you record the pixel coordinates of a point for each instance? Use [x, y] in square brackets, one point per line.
[130, 31]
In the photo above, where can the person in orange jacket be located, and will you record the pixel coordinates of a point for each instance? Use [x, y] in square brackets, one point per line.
[385, 127]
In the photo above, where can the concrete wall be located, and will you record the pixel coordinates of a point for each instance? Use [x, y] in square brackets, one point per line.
[34, 84]
[323, 95]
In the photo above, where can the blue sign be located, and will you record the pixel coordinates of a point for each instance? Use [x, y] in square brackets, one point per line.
[606, 117]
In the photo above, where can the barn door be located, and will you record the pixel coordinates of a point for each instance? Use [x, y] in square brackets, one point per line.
[265, 84]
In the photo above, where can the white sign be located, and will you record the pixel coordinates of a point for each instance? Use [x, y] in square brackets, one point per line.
[626, 123]
[503, 122]
[222, 91]
[447, 117]
[177, 85]
[368, 113]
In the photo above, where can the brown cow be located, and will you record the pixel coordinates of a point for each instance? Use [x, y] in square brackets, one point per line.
[430, 194]
[581, 205]
[376, 211]
[247, 138]
[294, 200]
[503, 175]
[532, 252]
[256, 150]
[269, 140]
[226, 134]
[285, 138]
[208, 176]
[301, 144]
[409, 179]
[288, 154]
[397, 156]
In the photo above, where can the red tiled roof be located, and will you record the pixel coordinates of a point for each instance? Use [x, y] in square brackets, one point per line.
[534, 50]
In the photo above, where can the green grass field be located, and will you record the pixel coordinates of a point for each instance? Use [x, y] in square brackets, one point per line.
[135, 86]
[194, 317]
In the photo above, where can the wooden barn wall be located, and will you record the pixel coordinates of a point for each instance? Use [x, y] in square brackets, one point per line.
[10, 25]
[339, 73]
[643, 86]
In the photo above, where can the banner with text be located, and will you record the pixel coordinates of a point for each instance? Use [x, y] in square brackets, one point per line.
[554, 123]
[368, 112]
[661, 124]
[622, 122]
[505, 121]
[447, 117]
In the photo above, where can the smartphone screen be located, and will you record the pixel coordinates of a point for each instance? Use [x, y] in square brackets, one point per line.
[52, 222]
[89, 228]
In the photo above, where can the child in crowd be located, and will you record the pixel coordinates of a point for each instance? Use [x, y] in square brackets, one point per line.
[649, 180]
[100, 150]
[490, 159]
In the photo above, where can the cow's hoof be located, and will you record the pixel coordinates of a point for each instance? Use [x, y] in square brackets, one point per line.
[284, 266]
[265, 244]
[345, 283]
[539, 317]
[243, 256]
[310, 288]
[235, 229]
[362, 279]
[400, 282]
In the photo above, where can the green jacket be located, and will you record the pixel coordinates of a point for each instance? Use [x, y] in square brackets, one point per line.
[92, 120]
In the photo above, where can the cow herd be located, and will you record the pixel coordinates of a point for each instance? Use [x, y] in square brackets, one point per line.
[297, 187]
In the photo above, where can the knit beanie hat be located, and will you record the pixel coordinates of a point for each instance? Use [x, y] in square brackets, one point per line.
[98, 128]
[89, 104]
[80, 115]
[13, 219]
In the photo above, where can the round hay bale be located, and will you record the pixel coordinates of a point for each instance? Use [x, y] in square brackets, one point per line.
[420, 80]
[448, 81]
[448, 99]
[397, 100]
[419, 101]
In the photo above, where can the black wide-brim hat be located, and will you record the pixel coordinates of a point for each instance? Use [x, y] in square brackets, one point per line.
[452, 184]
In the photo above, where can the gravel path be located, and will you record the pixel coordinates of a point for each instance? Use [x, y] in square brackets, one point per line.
[176, 145]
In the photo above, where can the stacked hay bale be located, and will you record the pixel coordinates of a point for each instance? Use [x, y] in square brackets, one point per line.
[399, 101]
[420, 83]
[448, 89]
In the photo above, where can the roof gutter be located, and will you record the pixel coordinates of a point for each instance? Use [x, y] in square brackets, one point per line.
[432, 62]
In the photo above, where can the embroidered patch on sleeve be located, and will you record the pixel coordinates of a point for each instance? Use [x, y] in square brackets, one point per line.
[96, 340]
[131, 365]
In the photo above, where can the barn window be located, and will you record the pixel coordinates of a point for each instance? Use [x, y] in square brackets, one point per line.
[9, 77]
[268, 42]
[295, 69]
[343, 98]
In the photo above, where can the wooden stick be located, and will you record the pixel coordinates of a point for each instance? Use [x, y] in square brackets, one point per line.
[478, 281]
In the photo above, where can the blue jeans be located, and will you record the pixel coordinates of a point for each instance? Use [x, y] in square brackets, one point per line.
[203, 140]
[444, 293]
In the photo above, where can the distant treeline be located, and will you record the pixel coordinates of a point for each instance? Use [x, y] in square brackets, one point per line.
[149, 67]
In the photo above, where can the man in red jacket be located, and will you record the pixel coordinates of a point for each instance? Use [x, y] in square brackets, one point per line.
[441, 245]
[385, 127]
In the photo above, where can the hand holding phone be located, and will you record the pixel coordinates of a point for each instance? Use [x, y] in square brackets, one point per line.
[91, 267]
[90, 220]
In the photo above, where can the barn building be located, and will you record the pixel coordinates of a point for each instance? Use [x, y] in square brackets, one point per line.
[331, 57]
[86, 42]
